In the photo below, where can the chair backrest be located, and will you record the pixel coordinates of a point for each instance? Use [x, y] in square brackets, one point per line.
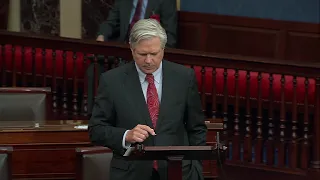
[93, 163]
[5, 163]
[23, 104]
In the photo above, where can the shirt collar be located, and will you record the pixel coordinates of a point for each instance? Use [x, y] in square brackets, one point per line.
[157, 74]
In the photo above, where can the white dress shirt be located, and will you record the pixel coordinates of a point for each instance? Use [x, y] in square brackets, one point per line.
[144, 86]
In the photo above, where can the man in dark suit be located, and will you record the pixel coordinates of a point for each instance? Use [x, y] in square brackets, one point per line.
[150, 101]
[122, 17]
[126, 12]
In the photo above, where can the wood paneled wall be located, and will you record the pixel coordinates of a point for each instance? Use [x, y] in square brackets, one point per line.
[249, 36]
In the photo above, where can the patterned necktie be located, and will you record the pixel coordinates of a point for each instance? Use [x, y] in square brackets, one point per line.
[137, 14]
[152, 100]
[135, 18]
[153, 105]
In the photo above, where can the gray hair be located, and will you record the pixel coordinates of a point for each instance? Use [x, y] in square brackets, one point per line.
[146, 29]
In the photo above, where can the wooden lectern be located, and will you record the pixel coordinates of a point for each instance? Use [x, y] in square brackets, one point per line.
[175, 154]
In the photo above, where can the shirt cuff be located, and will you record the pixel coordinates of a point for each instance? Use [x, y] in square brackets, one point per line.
[125, 144]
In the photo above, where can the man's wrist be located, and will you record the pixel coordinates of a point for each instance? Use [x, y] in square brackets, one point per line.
[100, 38]
[125, 144]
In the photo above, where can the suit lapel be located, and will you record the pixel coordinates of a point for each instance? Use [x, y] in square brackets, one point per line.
[152, 4]
[135, 95]
[125, 13]
[168, 83]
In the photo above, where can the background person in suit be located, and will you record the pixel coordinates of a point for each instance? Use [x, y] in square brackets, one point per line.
[125, 13]
[150, 101]
[122, 17]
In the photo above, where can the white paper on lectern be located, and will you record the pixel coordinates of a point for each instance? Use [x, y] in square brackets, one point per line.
[81, 127]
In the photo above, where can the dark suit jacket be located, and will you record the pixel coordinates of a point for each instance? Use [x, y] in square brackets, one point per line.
[117, 24]
[120, 106]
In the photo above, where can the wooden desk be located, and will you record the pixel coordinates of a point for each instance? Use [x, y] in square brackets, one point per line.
[48, 151]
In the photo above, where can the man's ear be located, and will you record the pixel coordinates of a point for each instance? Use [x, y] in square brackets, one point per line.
[131, 47]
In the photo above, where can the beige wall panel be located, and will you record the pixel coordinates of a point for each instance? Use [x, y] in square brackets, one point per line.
[70, 18]
[14, 15]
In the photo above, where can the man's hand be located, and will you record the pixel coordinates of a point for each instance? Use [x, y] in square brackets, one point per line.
[139, 134]
[100, 38]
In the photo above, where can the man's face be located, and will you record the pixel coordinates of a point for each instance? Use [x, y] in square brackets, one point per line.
[148, 54]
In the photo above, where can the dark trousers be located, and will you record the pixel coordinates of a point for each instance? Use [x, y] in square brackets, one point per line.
[155, 175]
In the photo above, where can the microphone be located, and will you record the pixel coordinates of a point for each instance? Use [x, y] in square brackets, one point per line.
[218, 140]
[218, 144]
[219, 147]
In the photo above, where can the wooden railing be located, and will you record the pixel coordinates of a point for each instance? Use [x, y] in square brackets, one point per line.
[270, 108]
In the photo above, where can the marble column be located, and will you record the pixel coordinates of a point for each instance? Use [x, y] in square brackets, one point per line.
[40, 16]
[93, 13]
